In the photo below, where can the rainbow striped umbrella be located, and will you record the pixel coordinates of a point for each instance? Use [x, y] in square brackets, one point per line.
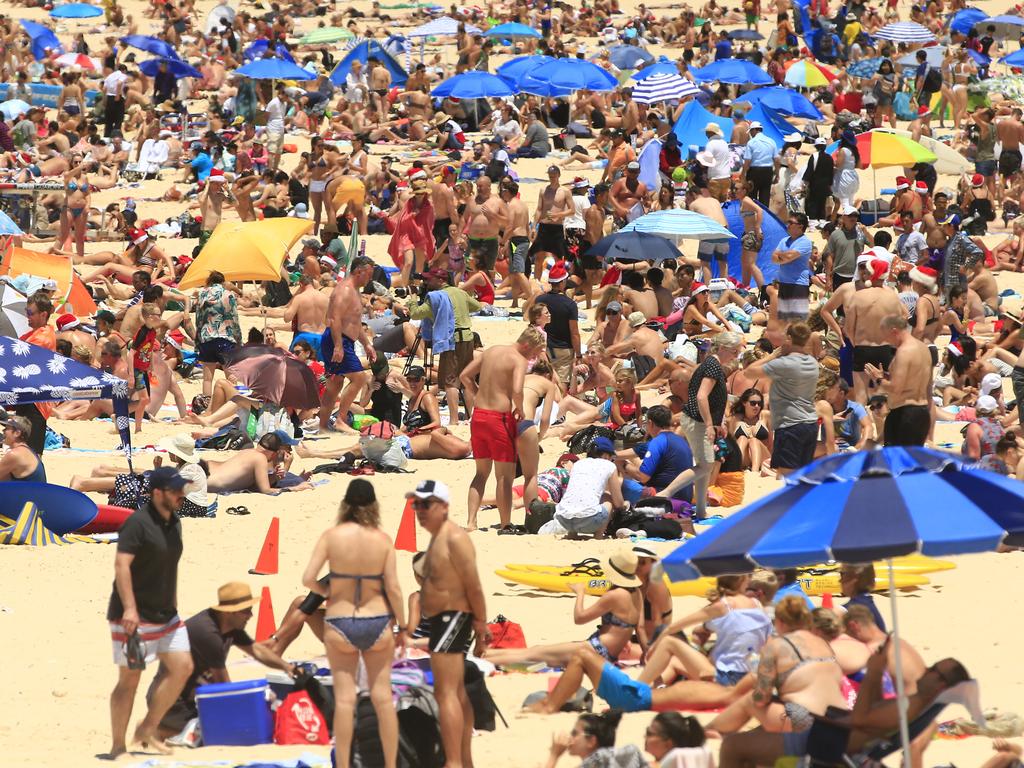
[808, 74]
[881, 150]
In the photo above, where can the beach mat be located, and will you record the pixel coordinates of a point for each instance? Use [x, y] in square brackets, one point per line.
[28, 529]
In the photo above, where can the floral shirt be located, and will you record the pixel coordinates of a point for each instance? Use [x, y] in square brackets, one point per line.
[217, 315]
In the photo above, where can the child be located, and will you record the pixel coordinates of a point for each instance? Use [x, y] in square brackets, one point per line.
[147, 341]
[456, 246]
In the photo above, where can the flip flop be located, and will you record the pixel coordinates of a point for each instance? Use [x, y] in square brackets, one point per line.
[237, 510]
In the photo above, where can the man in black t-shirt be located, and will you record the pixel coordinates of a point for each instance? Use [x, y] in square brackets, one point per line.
[563, 330]
[211, 634]
[143, 607]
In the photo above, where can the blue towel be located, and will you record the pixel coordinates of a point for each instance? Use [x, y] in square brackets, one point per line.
[443, 317]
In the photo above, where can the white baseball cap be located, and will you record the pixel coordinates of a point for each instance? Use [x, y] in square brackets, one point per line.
[431, 489]
[986, 404]
[991, 382]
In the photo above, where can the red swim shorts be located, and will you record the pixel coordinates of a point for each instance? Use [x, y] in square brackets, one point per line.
[493, 435]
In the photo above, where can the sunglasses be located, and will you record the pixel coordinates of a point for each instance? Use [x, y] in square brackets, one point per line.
[611, 311]
[876, 406]
[422, 503]
[755, 403]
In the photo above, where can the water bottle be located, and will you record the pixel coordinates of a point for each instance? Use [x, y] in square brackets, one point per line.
[752, 659]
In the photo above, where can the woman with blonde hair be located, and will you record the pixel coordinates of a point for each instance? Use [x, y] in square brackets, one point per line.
[365, 614]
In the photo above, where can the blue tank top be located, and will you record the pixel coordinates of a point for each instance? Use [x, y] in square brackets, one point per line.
[37, 475]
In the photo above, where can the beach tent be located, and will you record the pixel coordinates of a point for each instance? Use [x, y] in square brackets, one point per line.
[773, 229]
[774, 125]
[49, 266]
[221, 11]
[363, 51]
[31, 374]
[963, 21]
[690, 125]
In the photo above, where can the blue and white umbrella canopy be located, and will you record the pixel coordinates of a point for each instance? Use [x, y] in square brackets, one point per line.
[859, 508]
[905, 32]
[444, 26]
[686, 225]
[1006, 27]
[737, 71]
[43, 39]
[657, 88]
[12, 108]
[512, 29]
[473, 85]
[274, 69]
[514, 69]
[663, 66]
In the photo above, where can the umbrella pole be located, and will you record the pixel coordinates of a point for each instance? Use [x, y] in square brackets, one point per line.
[901, 694]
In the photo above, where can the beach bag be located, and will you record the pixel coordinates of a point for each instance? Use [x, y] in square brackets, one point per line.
[322, 699]
[300, 722]
[581, 442]
[271, 419]
[484, 708]
[642, 365]
[419, 735]
[384, 430]
[228, 439]
[539, 513]
[506, 634]
[932, 81]
[384, 454]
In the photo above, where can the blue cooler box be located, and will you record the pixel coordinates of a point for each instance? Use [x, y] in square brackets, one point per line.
[235, 714]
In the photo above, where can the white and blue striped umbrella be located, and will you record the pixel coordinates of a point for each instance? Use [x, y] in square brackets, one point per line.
[1007, 27]
[444, 26]
[685, 225]
[905, 32]
[667, 87]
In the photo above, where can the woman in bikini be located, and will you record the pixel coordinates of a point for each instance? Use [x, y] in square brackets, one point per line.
[365, 616]
[322, 166]
[71, 101]
[748, 425]
[75, 216]
[478, 283]
[619, 611]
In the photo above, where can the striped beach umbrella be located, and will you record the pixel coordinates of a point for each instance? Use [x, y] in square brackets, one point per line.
[905, 32]
[79, 60]
[323, 35]
[882, 150]
[806, 73]
[657, 88]
[686, 225]
[27, 528]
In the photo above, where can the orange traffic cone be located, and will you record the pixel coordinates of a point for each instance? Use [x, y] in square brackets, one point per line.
[826, 600]
[266, 564]
[265, 624]
[405, 539]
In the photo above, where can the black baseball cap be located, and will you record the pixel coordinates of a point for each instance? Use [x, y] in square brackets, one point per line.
[166, 478]
[416, 372]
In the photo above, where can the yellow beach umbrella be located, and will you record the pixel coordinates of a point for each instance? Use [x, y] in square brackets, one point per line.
[246, 250]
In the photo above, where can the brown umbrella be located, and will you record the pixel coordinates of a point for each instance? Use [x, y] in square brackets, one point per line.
[277, 377]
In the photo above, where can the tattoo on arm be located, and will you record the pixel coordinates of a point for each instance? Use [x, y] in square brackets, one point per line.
[765, 678]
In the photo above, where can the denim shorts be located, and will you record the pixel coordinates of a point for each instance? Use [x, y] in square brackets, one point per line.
[986, 168]
[590, 521]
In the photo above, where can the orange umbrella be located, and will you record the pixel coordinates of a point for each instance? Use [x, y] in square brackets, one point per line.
[49, 266]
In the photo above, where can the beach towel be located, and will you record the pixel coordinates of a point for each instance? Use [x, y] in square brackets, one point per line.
[442, 317]
[27, 528]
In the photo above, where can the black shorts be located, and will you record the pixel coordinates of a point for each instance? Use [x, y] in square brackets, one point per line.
[487, 247]
[550, 239]
[1009, 162]
[441, 231]
[214, 350]
[908, 425]
[794, 445]
[880, 355]
[451, 632]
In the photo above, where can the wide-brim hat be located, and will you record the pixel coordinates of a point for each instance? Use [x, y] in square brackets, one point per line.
[234, 596]
[621, 570]
[183, 446]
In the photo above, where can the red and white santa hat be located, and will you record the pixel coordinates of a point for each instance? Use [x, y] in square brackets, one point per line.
[216, 176]
[902, 182]
[138, 236]
[921, 187]
[926, 276]
[558, 272]
[67, 322]
[328, 261]
[879, 269]
[955, 349]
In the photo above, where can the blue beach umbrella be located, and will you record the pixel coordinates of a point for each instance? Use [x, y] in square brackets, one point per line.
[663, 66]
[677, 223]
[43, 38]
[963, 21]
[512, 29]
[76, 11]
[782, 100]
[865, 67]
[176, 67]
[514, 69]
[153, 45]
[562, 76]
[11, 109]
[634, 246]
[629, 56]
[274, 69]
[259, 48]
[7, 224]
[473, 85]
[745, 34]
[738, 71]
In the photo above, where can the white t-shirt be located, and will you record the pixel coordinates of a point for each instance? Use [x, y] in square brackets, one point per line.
[355, 88]
[580, 205]
[110, 83]
[195, 491]
[722, 169]
[275, 115]
[587, 482]
[688, 757]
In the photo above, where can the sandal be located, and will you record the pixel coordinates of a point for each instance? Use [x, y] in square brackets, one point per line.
[237, 510]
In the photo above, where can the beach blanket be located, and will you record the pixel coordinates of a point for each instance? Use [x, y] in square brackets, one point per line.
[289, 480]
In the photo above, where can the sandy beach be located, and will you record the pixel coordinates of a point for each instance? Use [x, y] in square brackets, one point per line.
[59, 672]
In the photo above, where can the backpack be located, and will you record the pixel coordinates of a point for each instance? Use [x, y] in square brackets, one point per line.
[932, 81]
[581, 442]
[298, 721]
[384, 430]
[506, 634]
[228, 439]
[419, 735]
[386, 455]
[379, 275]
[484, 708]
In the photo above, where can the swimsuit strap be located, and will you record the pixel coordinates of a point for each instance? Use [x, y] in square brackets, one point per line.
[358, 579]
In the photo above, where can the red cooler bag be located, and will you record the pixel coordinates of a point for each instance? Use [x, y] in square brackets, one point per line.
[300, 722]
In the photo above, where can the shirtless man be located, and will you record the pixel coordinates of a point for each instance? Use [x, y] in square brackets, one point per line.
[718, 250]
[594, 217]
[69, 328]
[982, 282]
[485, 217]
[908, 386]
[307, 314]
[866, 309]
[211, 200]
[641, 341]
[553, 207]
[453, 599]
[442, 198]
[629, 196]
[497, 416]
[254, 469]
[1010, 131]
[933, 232]
[906, 199]
[379, 79]
[338, 342]
[636, 292]
[517, 241]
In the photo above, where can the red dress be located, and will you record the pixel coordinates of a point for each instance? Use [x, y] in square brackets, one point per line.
[414, 228]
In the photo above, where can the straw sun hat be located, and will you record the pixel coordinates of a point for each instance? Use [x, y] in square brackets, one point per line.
[621, 570]
[234, 596]
[182, 446]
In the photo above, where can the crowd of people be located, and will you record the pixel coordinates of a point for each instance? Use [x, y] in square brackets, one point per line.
[453, 307]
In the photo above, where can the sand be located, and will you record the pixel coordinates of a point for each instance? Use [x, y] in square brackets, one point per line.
[59, 672]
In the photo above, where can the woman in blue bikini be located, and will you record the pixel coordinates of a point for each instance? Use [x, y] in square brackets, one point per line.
[364, 610]
[75, 216]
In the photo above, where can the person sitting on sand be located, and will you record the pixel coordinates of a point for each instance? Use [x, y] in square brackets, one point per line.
[593, 740]
[19, 462]
[675, 741]
[257, 469]
[619, 610]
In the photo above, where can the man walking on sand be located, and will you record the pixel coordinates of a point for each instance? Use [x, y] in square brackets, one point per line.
[143, 609]
[498, 417]
[338, 342]
[454, 600]
[908, 384]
